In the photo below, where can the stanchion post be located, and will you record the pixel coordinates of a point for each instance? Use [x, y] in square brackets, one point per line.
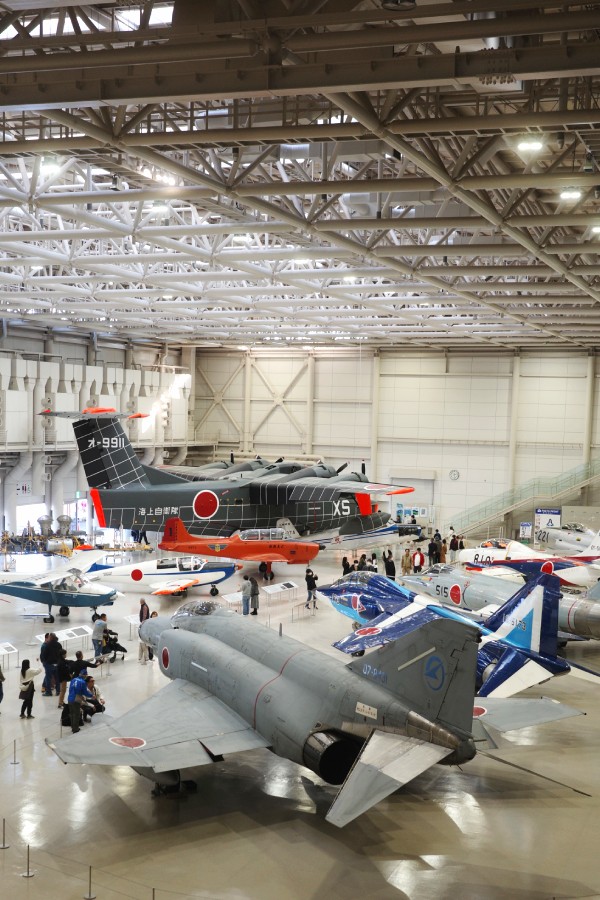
[280, 629]
[14, 759]
[89, 895]
[28, 873]
[4, 846]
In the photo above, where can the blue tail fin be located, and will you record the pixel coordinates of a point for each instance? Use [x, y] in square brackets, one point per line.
[529, 619]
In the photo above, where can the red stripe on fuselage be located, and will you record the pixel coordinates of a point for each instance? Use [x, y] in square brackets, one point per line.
[98, 507]
[365, 507]
[270, 681]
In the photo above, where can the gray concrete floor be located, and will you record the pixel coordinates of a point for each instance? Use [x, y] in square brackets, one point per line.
[255, 828]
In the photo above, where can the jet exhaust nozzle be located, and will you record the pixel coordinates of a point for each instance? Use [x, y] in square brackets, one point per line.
[330, 755]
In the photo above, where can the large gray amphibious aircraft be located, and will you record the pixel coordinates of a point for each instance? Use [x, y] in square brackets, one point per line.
[310, 499]
[371, 726]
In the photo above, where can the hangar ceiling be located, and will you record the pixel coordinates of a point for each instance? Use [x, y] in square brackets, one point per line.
[303, 172]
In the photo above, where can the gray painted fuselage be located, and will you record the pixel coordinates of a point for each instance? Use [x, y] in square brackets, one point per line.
[287, 691]
[577, 615]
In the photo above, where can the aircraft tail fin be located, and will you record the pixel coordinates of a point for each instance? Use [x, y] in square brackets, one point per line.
[431, 666]
[529, 619]
[174, 532]
[594, 547]
[108, 459]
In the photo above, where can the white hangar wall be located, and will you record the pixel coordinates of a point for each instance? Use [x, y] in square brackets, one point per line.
[496, 419]
[38, 459]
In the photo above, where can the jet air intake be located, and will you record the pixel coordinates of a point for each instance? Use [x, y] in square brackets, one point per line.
[330, 755]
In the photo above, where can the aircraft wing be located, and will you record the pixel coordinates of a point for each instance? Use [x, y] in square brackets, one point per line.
[84, 559]
[385, 763]
[89, 557]
[386, 628]
[179, 727]
[313, 489]
[310, 488]
[175, 586]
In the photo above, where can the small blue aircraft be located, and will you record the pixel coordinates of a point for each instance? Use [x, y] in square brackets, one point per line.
[518, 647]
[62, 587]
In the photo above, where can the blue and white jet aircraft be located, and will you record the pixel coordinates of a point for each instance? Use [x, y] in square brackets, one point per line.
[518, 647]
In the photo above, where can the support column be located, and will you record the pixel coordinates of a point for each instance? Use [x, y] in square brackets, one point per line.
[310, 406]
[91, 349]
[375, 375]
[588, 410]
[247, 398]
[188, 361]
[57, 485]
[514, 418]
[10, 489]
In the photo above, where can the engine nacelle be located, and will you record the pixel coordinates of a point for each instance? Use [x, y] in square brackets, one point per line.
[331, 755]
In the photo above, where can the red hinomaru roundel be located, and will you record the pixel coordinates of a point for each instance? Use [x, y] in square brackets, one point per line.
[455, 593]
[133, 743]
[205, 504]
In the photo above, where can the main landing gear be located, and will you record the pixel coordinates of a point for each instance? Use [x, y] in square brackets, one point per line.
[214, 590]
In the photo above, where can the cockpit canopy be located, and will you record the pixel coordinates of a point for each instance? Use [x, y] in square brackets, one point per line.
[263, 534]
[440, 569]
[495, 544]
[193, 609]
[574, 526]
[359, 578]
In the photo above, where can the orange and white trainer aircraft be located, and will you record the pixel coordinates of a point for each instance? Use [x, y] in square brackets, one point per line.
[266, 545]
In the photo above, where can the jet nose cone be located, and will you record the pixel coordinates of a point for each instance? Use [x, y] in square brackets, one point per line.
[151, 630]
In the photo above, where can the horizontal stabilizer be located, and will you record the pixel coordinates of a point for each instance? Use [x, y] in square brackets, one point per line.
[512, 714]
[386, 762]
[514, 673]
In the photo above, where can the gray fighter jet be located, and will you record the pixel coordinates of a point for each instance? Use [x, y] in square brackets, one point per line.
[577, 616]
[370, 726]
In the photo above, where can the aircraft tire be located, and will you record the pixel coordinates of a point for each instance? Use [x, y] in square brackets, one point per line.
[64, 611]
[95, 616]
[214, 591]
[271, 576]
[49, 619]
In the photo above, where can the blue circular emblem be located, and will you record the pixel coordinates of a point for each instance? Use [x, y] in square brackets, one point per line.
[435, 674]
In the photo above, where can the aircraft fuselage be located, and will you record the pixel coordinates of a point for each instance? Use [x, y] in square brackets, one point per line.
[213, 509]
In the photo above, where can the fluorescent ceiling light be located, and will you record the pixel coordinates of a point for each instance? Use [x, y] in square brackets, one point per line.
[528, 144]
[570, 194]
[596, 229]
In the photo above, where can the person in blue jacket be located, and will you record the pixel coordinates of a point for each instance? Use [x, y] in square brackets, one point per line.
[79, 687]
